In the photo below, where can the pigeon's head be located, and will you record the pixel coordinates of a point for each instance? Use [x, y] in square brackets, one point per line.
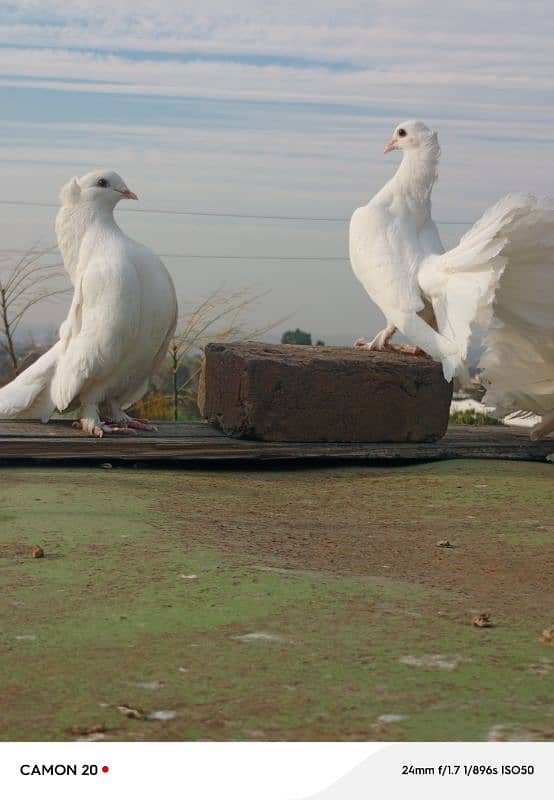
[102, 187]
[412, 135]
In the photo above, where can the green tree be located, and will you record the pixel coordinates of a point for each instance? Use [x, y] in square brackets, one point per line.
[296, 337]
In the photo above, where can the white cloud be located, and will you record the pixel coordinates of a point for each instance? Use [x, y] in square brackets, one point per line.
[503, 44]
[470, 61]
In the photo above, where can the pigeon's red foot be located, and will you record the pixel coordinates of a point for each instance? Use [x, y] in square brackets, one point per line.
[130, 425]
[103, 427]
[109, 426]
[140, 425]
[413, 351]
[379, 346]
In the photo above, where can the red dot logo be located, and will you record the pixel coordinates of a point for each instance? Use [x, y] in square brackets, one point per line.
[105, 769]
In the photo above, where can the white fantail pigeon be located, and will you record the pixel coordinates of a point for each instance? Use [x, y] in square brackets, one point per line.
[122, 316]
[500, 277]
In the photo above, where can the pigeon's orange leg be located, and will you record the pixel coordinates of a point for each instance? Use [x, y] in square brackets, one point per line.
[413, 351]
[134, 424]
[99, 428]
[380, 342]
[114, 415]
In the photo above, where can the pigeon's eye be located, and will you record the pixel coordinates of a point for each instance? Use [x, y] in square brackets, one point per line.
[102, 182]
[401, 132]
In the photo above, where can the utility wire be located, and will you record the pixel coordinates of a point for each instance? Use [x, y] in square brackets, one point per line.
[225, 214]
[10, 251]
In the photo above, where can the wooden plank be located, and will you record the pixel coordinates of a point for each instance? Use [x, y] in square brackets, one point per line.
[65, 429]
[22, 441]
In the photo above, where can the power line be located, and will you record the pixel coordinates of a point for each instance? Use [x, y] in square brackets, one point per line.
[204, 256]
[224, 214]
[256, 258]
[188, 212]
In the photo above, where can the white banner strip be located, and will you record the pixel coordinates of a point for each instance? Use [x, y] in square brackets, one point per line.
[275, 771]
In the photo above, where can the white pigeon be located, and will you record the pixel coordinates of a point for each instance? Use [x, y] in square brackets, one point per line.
[122, 317]
[500, 277]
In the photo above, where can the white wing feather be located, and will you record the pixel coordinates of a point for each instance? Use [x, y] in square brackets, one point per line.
[463, 282]
[384, 258]
[103, 322]
[518, 364]
[28, 395]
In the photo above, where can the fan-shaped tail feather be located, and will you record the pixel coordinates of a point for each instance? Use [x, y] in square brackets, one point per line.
[501, 278]
[518, 363]
[28, 395]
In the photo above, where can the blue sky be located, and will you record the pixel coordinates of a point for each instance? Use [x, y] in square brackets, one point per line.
[269, 110]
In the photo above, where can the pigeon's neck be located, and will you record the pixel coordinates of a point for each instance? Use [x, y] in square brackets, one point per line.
[73, 222]
[418, 172]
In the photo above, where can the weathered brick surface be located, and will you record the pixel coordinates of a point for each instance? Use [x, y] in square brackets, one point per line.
[292, 393]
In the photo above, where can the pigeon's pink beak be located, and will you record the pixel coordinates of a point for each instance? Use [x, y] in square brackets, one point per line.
[390, 146]
[128, 195]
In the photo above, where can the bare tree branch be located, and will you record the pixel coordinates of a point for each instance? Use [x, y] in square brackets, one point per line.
[23, 284]
[219, 317]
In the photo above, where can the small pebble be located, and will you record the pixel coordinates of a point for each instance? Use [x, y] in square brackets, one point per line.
[162, 715]
[483, 621]
[106, 465]
[132, 713]
[77, 730]
[548, 636]
[444, 543]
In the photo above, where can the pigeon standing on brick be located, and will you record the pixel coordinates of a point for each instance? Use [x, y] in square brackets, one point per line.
[499, 277]
[122, 317]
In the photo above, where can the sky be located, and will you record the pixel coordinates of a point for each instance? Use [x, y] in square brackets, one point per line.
[268, 110]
